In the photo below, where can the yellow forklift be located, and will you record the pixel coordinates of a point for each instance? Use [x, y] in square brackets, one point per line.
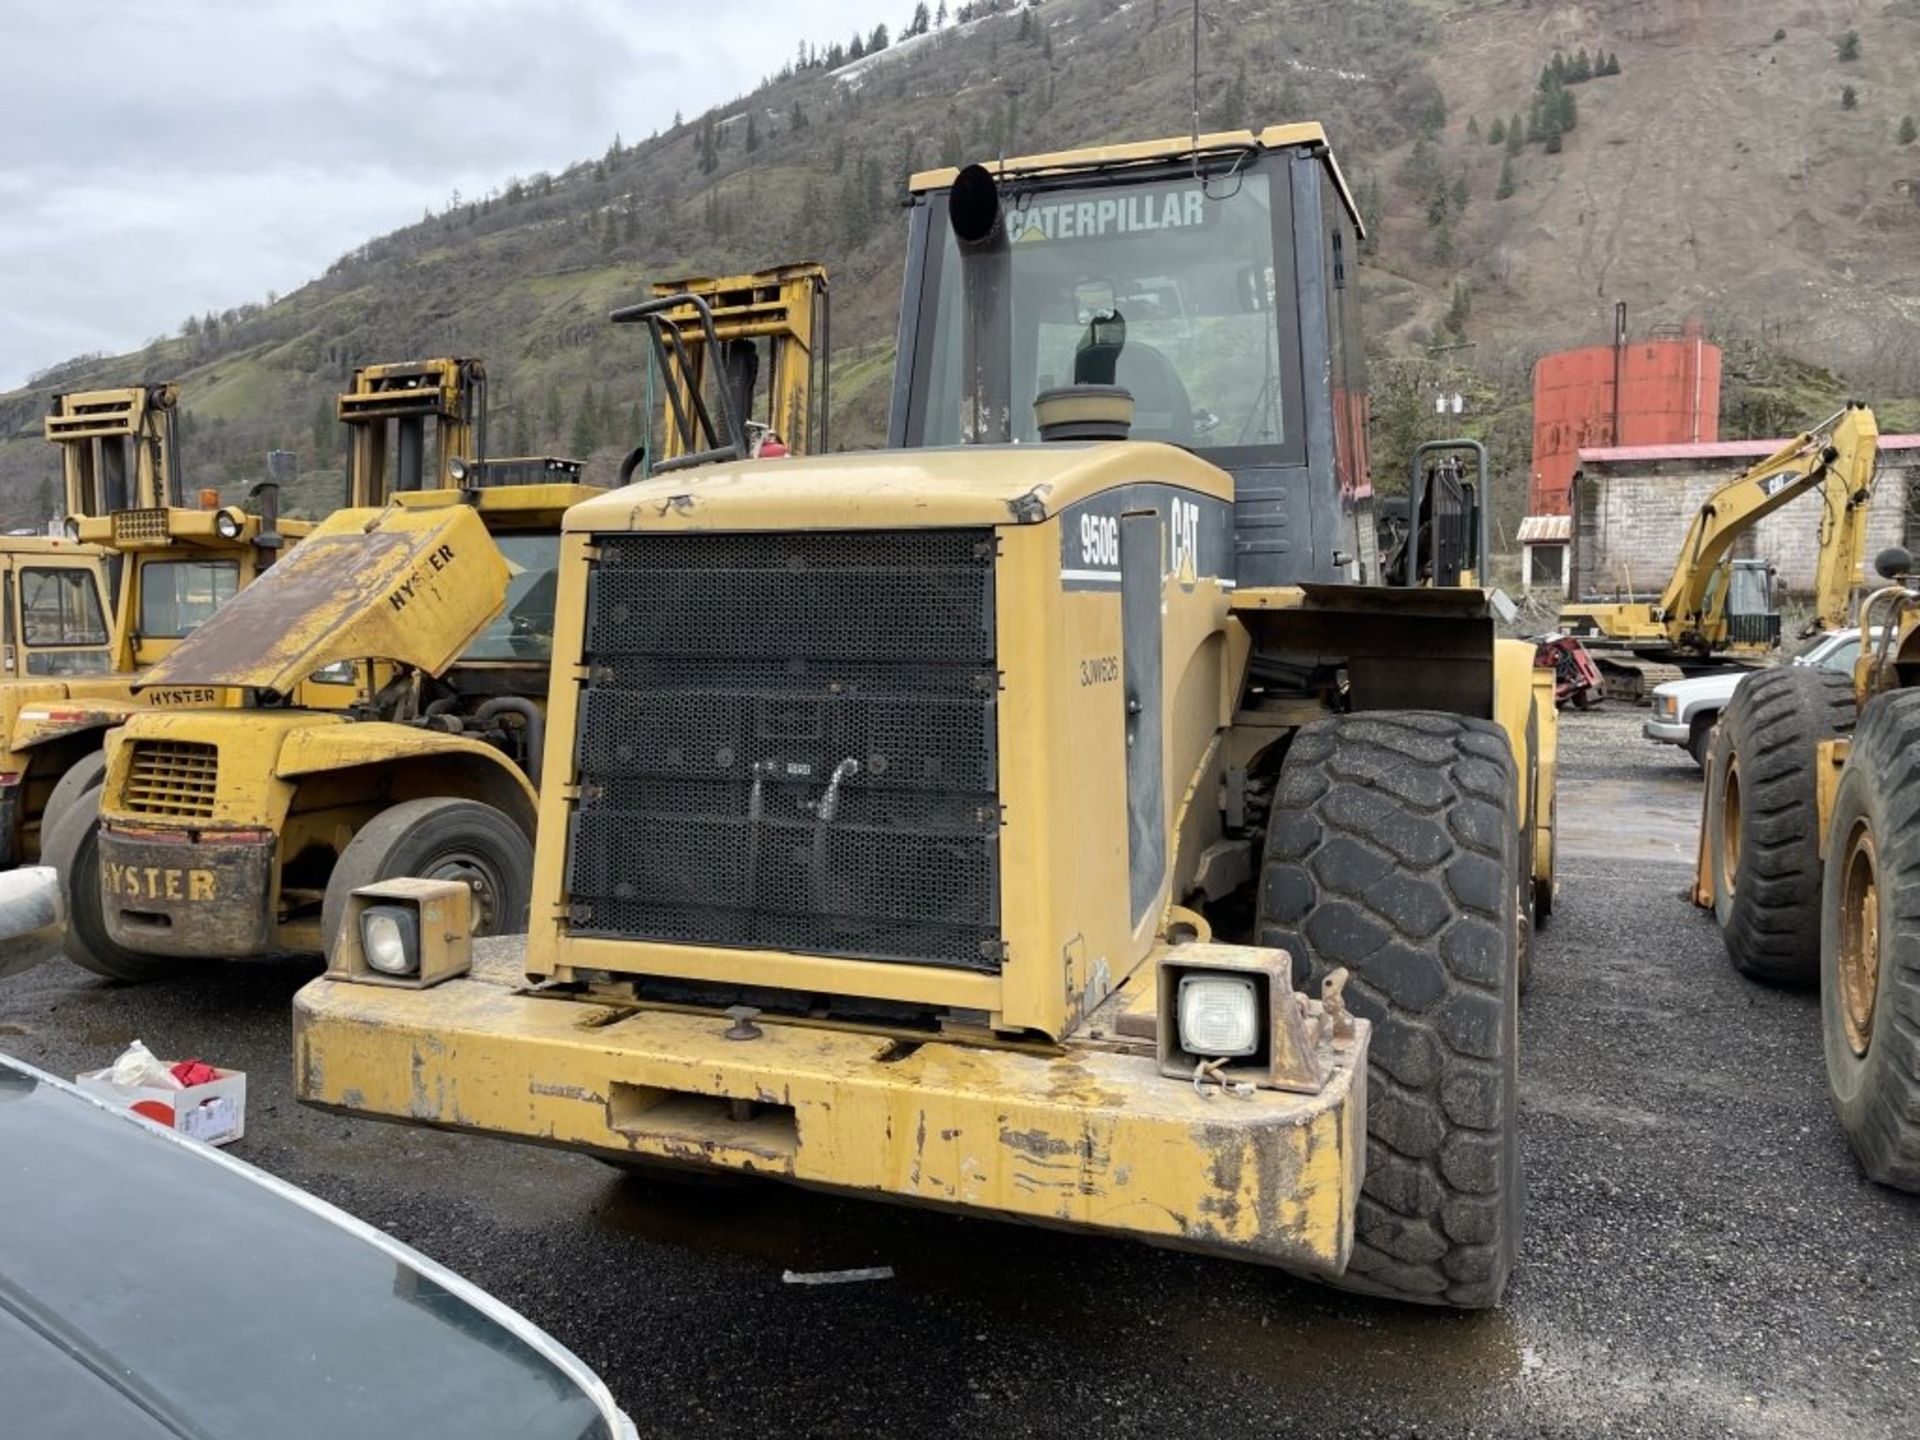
[1056, 815]
[225, 834]
[176, 564]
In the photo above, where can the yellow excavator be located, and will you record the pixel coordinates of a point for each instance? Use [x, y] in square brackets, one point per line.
[1717, 608]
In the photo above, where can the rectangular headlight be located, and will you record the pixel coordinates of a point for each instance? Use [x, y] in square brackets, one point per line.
[1219, 1015]
[390, 938]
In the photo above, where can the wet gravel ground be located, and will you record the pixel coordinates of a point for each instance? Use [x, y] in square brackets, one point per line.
[1702, 1256]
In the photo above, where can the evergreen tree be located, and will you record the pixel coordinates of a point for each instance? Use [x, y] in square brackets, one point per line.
[1581, 69]
[753, 132]
[1516, 134]
[586, 433]
[709, 146]
[877, 41]
[1850, 45]
[1613, 65]
[1849, 98]
[1460, 308]
[324, 435]
[1459, 195]
[1473, 127]
[1907, 134]
[940, 14]
[1504, 190]
[1497, 132]
[918, 25]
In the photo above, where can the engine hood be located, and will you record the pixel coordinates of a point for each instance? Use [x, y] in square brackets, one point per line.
[414, 585]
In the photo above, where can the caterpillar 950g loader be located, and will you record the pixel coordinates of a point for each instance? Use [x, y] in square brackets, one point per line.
[225, 834]
[1050, 816]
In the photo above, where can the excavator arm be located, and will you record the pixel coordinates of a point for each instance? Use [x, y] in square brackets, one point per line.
[1839, 454]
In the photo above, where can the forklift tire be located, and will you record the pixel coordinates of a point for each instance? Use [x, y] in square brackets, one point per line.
[1391, 850]
[439, 838]
[72, 847]
[1869, 963]
[83, 775]
[1762, 819]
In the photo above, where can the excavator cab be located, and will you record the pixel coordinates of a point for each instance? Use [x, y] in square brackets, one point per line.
[1753, 612]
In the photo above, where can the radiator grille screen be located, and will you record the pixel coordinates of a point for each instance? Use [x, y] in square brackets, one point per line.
[731, 678]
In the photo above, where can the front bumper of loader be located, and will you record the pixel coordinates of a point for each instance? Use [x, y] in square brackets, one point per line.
[1082, 1139]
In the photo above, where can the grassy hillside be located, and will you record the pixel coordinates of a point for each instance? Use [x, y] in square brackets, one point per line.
[1716, 175]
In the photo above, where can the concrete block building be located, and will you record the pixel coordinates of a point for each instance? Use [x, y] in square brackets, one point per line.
[1633, 504]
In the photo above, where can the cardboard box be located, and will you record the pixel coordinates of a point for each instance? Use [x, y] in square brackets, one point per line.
[215, 1112]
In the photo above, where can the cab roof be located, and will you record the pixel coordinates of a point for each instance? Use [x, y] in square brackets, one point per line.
[1309, 133]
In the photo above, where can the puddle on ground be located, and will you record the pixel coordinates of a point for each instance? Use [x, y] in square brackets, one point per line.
[1656, 817]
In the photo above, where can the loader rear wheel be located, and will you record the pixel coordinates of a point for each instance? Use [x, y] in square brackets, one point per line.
[83, 775]
[1869, 954]
[1762, 819]
[1392, 850]
[73, 849]
[439, 838]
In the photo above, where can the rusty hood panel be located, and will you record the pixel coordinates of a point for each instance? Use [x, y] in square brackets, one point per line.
[409, 585]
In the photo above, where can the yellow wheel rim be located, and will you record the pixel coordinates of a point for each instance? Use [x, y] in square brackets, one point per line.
[1858, 968]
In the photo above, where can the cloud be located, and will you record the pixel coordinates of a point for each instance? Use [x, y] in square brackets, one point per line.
[174, 159]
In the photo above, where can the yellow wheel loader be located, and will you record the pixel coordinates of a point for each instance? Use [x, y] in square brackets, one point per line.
[1810, 860]
[236, 833]
[1716, 608]
[70, 677]
[1051, 816]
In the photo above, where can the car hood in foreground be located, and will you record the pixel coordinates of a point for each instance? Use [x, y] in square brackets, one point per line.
[153, 1287]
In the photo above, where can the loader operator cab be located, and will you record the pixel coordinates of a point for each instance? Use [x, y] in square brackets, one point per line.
[1207, 285]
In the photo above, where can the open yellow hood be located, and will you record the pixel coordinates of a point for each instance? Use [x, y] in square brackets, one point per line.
[410, 585]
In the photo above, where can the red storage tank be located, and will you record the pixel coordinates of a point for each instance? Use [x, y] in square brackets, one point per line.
[1667, 392]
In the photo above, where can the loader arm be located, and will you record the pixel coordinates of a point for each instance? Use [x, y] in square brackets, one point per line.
[1842, 449]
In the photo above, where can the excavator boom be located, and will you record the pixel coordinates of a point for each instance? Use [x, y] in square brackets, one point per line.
[1840, 454]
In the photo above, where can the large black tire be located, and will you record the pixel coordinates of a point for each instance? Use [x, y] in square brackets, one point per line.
[83, 775]
[439, 838]
[1762, 819]
[1393, 850]
[73, 849]
[1870, 943]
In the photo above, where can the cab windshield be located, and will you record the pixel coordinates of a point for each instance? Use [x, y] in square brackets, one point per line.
[1178, 291]
[177, 595]
[524, 629]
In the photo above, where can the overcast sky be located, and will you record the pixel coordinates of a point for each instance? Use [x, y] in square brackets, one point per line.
[162, 160]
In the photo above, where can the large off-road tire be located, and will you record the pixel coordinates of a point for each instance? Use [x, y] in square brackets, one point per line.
[1762, 819]
[83, 775]
[439, 838]
[1393, 850]
[73, 849]
[1870, 943]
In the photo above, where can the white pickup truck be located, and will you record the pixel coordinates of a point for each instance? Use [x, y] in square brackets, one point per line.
[1685, 711]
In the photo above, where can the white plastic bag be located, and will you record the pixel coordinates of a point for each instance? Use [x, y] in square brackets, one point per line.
[138, 1066]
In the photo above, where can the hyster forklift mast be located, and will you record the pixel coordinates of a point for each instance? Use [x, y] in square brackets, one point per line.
[233, 834]
[1056, 815]
[388, 409]
[1714, 604]
[126, 499]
